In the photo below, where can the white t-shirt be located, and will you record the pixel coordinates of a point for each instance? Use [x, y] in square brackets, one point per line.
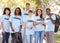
[39, 27]
[49, 25]
[16, 22]
[6, 23]
[29, 22]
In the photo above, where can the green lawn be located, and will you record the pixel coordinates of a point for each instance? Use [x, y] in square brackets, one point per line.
[57, 38]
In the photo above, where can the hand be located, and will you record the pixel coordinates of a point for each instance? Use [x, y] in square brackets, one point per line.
[43, 22]
[3, 31]
[13, 30]
[31, 27]
[20, 31]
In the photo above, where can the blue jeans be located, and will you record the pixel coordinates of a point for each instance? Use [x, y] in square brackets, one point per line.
[29, 38]
[5, 37]
[38, 35]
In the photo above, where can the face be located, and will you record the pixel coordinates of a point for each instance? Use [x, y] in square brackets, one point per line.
[48, 12]
[27, 7]
[17, 11]
[7, 12]
[39, 12]
[30, 13]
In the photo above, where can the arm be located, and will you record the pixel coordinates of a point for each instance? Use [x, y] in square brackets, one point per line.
[20, 29]
[11, 26]
[53, 19]
[2, 27]
[36, 23]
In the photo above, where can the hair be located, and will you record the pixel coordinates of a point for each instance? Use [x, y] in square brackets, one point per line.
[48, 9]
[4, 13]
[30, 11]
[19, 11]
[41, 16]
[27, 3]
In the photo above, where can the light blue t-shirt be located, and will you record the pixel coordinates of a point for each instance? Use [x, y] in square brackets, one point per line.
[25, 13]
[49, 25]
[39, 27]
[6, 23]
[16, 22]
[29, 22]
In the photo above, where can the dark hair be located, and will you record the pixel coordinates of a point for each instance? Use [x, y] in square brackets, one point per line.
[37, 13]
[48, 9]
[5, 10]
[27, 3]
[30, 11]
[19, 11]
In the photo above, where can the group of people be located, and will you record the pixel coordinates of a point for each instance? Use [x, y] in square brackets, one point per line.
[27, 26]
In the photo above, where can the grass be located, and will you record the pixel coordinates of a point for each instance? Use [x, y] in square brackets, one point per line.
[59, 29]
[57, 38]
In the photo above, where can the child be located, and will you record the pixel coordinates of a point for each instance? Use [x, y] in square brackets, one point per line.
[28, 21]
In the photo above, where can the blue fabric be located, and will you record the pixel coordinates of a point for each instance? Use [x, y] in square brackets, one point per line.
[38, 36]
[5, 37]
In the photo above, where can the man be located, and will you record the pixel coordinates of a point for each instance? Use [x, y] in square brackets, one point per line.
[50, 20]
[24, 14]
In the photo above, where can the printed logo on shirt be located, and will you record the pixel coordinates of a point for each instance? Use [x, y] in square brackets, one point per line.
[39, 19]
[25, 14]
[17, 18]
[30, 21]
[6, 18]
[48, 19]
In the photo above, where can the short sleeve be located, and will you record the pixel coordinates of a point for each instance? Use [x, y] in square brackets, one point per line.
[35, 18]
[21, 22]
[11, 18]
[53, 17]
[2, 19]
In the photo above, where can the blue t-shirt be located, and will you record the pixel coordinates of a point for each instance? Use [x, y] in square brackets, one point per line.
[29, 22]
[6, 23]
[49, 25]
[39, 27]
[16, 22]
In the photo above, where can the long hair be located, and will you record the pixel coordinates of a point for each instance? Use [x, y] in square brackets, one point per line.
[4, 13]
[41, 16]
[19, 11]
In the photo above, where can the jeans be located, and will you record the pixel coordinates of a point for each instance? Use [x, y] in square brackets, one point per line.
[16, 38]
[5, 37]
[29, 38]
[38, 35]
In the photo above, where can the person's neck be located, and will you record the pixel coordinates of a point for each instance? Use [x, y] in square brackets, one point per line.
[48, 14]
[30, 16]
[27, 9]
[7, 15]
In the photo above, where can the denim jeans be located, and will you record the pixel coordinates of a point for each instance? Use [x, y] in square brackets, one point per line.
[5, 37]
[29, 38]
[38, 36]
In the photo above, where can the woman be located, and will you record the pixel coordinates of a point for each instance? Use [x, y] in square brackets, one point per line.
[28, 22]
[39, 27]
[16, 26]
[5, 25]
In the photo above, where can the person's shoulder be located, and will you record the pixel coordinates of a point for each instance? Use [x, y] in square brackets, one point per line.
[3, 16]
[53, 14]
[12, 15]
